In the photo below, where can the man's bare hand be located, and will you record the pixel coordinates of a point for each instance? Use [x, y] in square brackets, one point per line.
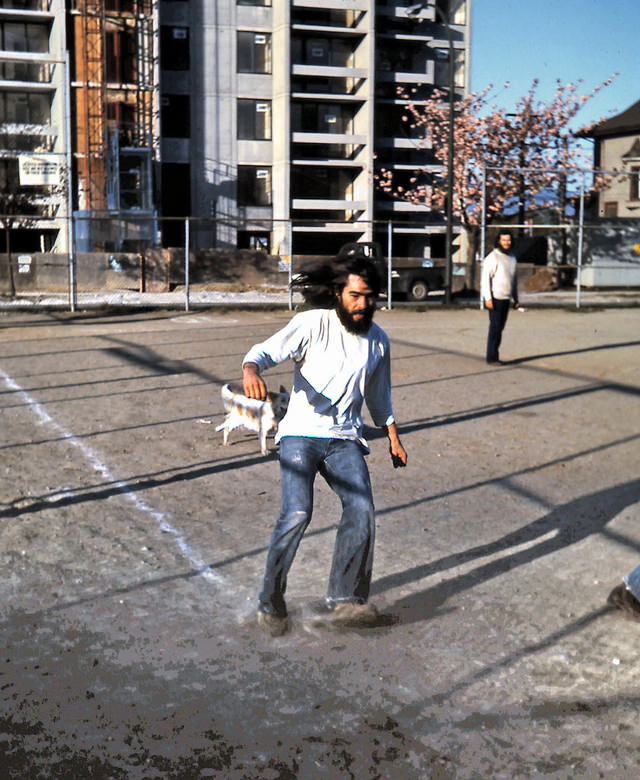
[397, 451]
[488, 304]
[398, 455]
[252, 383]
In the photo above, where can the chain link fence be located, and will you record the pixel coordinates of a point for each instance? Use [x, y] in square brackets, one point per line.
[586, 234]
[114, 257]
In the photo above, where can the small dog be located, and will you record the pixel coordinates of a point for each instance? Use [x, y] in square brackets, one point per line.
[260, 416]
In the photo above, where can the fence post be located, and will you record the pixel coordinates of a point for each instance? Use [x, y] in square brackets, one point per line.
[290, 247]
[389, 255]
[73, 284]
[186, 264]
[580, 242]
[483, 218]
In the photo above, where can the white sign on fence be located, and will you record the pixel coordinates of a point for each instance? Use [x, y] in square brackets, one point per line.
[37, 170]
[24, 264]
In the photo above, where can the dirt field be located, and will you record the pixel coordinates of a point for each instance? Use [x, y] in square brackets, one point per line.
[132, 546]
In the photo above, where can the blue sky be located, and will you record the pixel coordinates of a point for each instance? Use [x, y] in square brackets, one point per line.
[519, 40]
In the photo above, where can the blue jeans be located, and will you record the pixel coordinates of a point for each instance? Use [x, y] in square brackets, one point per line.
[341, 462]
[632, 581]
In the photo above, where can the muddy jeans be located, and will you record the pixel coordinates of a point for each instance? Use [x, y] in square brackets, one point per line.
[342, 464]
[633, 582]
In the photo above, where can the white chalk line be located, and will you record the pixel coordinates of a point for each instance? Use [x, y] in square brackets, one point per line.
[162, 519]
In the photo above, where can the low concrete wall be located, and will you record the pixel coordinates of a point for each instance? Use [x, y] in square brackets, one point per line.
[37, 272]
[154, 270]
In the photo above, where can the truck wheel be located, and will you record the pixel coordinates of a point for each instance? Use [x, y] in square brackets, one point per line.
[419, 290]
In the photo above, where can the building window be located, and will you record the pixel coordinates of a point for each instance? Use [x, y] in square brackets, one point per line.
[175, 116]
[634, 183]
[176, 201]
[254, 52]
[254, 119]
[333, 52]
[454, 11]
[254, 2]
[29, 108]
[254, 239]
[9, 176]
[24, 36]
[174, 48]
[611, 209]
[120, 56]
[254, 185]
[311, 117]
[322, 183]
[442, 68]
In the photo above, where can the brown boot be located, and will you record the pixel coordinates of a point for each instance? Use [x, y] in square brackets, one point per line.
[272, 624]
[622, 598]
[350, 614]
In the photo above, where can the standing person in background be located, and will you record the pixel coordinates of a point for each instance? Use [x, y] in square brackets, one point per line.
[499, 286]
[341, 360]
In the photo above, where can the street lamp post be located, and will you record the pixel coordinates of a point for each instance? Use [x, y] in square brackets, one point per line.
[414, 11]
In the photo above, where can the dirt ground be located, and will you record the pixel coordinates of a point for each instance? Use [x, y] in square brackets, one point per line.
[132, 546]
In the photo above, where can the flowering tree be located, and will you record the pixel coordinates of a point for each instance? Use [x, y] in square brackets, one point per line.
[523, 153]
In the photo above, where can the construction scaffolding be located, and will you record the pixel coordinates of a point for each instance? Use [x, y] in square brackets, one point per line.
[113, 88]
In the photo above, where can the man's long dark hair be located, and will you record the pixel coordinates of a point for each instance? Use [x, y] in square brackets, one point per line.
[319, 283]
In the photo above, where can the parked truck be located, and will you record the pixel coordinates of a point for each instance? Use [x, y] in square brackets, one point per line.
[407, 278]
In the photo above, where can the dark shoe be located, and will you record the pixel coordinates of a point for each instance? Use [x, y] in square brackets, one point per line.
[272, 624]
[622, 598]
[350, 614]
[494, 362]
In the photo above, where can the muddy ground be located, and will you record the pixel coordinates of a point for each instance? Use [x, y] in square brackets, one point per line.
[132, 545]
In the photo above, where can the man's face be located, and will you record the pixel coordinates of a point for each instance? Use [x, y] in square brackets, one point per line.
[504, 242]
[356, 304]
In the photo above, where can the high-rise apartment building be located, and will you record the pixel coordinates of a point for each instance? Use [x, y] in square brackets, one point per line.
[274, 115]
[266, 119]
[33, 132]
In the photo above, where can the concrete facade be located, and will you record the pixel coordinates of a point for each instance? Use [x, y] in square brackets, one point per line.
[292, 106]
[33, 81]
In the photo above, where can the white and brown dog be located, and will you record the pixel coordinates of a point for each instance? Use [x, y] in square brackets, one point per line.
[260, 416]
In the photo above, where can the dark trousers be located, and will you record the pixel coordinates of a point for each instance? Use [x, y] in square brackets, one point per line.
[497, 321]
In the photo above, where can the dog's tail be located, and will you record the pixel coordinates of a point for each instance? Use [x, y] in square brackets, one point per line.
[233, 393]
[233, 388]
[229, 391]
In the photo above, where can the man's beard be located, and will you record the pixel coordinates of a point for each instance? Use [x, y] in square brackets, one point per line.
[359, 327]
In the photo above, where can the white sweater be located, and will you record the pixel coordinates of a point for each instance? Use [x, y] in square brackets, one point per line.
[334, 372]
[499, 277]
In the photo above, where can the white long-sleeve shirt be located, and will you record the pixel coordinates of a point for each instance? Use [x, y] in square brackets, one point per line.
[334, 372]
[499, 277]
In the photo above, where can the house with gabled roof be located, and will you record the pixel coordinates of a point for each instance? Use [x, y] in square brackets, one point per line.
[617, 147]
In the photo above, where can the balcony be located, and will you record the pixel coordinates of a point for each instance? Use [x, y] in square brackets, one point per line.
[318, 204]
[329, 71]
[22, 69]
[338, 5]
[406, 73]
[328, 138]
[16, 137]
